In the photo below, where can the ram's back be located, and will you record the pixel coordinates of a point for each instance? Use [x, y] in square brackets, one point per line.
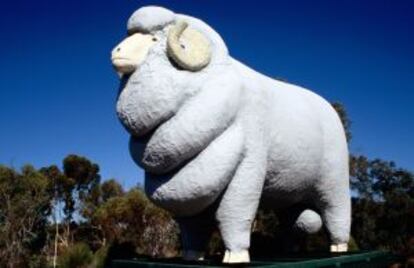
[305, 135]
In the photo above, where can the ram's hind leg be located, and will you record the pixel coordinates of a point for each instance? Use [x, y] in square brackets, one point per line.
[336, 213]
[337, 220]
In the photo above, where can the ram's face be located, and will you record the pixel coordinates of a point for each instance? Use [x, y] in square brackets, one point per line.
[131, 52]
[188, 48]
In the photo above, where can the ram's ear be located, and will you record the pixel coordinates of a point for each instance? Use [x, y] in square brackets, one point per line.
[189, 48]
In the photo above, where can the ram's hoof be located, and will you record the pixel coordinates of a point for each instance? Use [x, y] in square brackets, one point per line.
[192, 255]
[339, 247]
[236, 257]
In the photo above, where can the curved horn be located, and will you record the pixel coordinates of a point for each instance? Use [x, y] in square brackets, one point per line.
[195, 54]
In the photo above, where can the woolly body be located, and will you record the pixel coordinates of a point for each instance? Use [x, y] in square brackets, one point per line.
[219, 141]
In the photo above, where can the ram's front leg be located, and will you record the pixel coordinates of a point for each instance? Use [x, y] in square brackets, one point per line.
[238, 207]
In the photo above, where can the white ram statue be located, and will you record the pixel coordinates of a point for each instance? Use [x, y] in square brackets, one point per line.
[216, 138]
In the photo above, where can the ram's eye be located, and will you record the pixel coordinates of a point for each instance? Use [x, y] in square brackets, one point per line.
[154, 39]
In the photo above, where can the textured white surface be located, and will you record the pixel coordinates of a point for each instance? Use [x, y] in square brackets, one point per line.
[226, 138]
[309, 222]
[131, 52]
[144, 20]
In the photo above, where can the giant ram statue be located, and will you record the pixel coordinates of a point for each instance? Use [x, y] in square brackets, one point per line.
[216, 138]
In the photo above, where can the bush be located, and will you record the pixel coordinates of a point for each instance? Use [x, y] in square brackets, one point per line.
[352, 245]
[100, 256]
[38, 261]
[79, 255]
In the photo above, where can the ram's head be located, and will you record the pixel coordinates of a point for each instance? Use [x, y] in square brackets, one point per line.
[189, 48]
[162, 62]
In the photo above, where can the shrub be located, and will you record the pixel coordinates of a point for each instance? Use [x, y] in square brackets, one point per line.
[79, 255]
[100, 256]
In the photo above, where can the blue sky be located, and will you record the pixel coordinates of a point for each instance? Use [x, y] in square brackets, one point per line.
[58, 89]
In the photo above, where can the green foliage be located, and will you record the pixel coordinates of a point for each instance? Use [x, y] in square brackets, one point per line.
[85, 176]
[266, 222]
[352, 244]
[37, 261]
[25, 204]
[111, 188]
[78, 255]
[385, 197]
[82, 171]
[100, 257]
[132, 218]
[215, 245]
[343, 115]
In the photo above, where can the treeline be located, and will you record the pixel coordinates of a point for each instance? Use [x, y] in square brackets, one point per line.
[69, 216]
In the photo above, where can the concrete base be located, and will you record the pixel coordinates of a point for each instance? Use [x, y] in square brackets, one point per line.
[373, 259]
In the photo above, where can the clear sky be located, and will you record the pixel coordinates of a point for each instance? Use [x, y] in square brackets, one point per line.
[58, 89]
